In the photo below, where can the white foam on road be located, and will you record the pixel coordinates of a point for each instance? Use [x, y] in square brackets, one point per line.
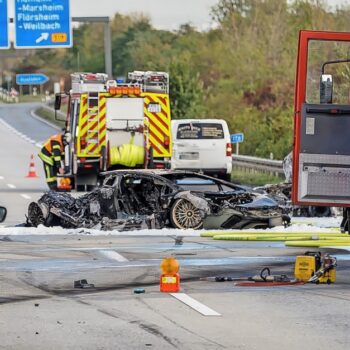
[11, 186]
[195, 305]
[43, 230]
[113, 255]
[2, 178]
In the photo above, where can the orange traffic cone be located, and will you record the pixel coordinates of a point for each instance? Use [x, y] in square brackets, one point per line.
[32, 172]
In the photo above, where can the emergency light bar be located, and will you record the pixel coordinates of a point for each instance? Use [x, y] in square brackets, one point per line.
[86, 78]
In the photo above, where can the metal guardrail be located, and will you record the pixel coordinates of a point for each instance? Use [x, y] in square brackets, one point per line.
[255, 164]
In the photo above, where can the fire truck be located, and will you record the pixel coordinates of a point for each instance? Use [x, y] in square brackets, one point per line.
[321, 145]
[113, 124]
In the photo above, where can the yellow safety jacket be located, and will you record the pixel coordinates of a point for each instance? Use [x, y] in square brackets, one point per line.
[53, 151]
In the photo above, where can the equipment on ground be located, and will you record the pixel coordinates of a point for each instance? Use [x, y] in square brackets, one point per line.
[315, 267]
[112, 124]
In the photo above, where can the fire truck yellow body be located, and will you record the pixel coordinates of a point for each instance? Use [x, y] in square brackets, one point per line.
[113, 124]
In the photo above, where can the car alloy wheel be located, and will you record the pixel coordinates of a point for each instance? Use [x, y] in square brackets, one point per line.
[185, 215]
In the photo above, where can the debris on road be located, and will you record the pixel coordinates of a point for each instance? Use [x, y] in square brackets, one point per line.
[139, 290]
[83, 284]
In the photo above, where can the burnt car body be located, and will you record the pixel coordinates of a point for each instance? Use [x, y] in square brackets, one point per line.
[281, 193]
[130, 199]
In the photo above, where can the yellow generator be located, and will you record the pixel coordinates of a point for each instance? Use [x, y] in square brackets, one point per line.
[315, 267]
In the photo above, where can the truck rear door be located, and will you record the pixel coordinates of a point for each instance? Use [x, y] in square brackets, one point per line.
[124, 115]
[321, 145]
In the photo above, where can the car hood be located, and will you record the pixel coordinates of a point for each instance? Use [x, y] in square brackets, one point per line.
[260, 202]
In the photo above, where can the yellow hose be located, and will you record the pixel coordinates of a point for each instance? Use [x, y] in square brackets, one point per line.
[266, 233]
[293, 237]
[317, 244]
[128, 155]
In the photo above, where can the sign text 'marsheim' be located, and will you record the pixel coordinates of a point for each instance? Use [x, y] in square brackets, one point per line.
[42, 24]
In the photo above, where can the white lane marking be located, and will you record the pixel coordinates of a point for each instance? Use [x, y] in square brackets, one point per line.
[25, 196]
[11, 186]
[194, 304]
[23, 136]
[1, 177]
[112, 254]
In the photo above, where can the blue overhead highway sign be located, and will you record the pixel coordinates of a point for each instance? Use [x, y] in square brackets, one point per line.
[42, 24]
[236, 138]
[31, 79]
[4, 33]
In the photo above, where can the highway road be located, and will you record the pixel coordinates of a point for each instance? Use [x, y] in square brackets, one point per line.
[41, 309]
[20, 137]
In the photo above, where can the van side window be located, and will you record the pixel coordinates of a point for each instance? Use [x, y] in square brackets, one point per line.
[195, 131]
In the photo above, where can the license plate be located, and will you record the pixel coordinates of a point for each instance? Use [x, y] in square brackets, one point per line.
[189, 156]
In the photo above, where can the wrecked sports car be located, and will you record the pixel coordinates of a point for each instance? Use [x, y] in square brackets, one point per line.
[136, 199]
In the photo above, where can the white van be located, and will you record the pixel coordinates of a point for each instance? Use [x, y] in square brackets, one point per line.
[202, 145]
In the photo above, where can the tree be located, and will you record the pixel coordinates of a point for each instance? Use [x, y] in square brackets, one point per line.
[186, 91]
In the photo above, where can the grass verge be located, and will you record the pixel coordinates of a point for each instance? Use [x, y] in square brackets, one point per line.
[49, 116]
[254, 178]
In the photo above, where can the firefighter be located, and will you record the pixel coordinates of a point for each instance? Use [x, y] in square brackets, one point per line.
[52, 155]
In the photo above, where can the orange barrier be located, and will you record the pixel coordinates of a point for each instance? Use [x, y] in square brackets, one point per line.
[32, 171]
[170, 279]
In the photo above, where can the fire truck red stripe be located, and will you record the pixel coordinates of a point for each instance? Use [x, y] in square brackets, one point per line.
[84, 126]
[156, 137]
[162, 99]
[155, 126]
[155, 147]
[93, 126]
[160, 120]
[103, 106]
[165, 115]
[102, 129]
[93, 149]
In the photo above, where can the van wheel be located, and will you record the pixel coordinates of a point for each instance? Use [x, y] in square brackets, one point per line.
[184, 215]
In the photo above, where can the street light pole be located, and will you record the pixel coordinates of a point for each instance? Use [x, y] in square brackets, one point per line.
[107, 39]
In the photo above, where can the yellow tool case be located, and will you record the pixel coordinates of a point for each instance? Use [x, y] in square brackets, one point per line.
[315, 267]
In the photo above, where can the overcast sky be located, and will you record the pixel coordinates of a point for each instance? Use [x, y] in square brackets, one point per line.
[164, 14]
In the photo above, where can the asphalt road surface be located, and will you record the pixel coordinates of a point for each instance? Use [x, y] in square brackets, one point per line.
[20, 137]
[41, 309]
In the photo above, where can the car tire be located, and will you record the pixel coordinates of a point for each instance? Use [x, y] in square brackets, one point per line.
[39, 215]
[184, 215]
